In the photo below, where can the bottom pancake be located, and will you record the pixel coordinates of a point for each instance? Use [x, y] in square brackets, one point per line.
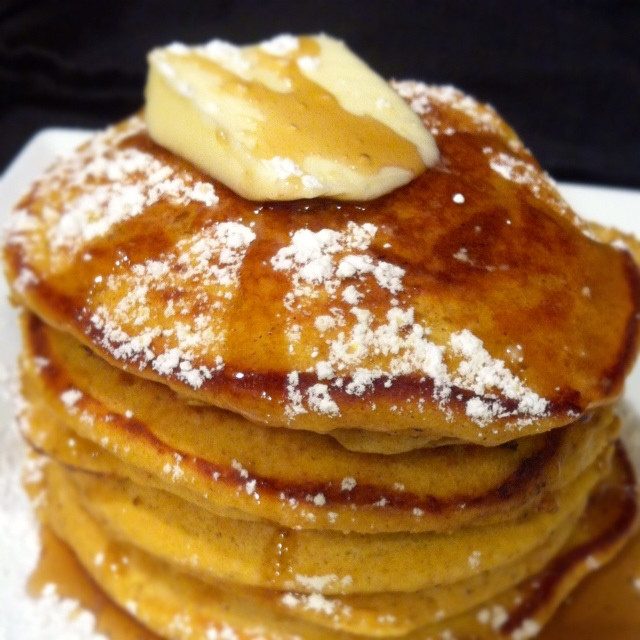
[176, 605]
[248, 552]
[112, 506]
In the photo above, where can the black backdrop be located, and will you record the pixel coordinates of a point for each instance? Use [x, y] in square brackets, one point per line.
[565, 74]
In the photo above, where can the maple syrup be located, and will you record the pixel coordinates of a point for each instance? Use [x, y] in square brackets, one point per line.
[297, 122]
[606, 606]
[305, 120]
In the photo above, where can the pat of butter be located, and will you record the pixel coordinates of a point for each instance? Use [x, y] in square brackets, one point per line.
[288, 118]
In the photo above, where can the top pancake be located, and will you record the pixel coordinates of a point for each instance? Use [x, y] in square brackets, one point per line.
[468, 305]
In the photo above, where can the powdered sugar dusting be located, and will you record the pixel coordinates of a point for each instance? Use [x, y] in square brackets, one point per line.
[70, 397]
[190, 326]
[512, 168]
[330, 257]
[286, 168]
[515, 165]
[315, 602]
[481, 373]
[422, 97]
[49, 615]
[294, 396]
[104, 184]
[319, 583]
[528, 629]
[280, 45]
[348, 484]
[494, 616]
[320, 400]
[474, 560]
[332, 262]
[525, 172]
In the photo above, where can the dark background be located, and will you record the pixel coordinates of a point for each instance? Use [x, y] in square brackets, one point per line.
[565, 74]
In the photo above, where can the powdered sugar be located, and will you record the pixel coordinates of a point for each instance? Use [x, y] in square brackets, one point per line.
[422, 98]
[516, 165]
[285, 168]
[512, 168]
[174, 469]
[348, 484]
[70, 397]
[21, 616]
[474, 560]
[280, 45]
[328, 258]
[104, 185]
[328, 261]
[528, 629]
[25, 278]
[211, 259]
[315, 602]
[320, 400]
[225, 632]
[526, 173]
[480, 373]
[308, 63]
[294, 396]
[317, 584]
[494, 616]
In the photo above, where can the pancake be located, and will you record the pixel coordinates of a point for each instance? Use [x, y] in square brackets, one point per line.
[208, 456]
[249, 553]
[355, 613]
[177, 606]
[434, 309]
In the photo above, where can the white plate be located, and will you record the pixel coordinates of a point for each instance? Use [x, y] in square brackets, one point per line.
[20, 616]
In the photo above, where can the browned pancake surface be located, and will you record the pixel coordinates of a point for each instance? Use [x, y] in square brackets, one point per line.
[467, 304]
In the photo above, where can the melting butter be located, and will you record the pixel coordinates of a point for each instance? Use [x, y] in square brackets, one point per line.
[288, 118]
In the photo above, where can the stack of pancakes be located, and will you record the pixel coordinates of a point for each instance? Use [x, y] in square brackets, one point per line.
[323, 419]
